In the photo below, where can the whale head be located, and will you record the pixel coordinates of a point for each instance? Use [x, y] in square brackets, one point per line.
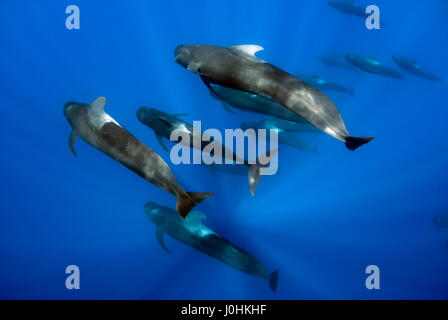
[192, 57]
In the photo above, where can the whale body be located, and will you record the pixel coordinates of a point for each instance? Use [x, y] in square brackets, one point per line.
[337, 61]
[193, 233]
[101, 131]
[237, 67]
[324, 85]
[372, 65]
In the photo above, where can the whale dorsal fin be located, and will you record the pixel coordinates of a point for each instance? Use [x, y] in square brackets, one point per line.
[159, 236]
[194, 217]
[98, 104]
[250, 49]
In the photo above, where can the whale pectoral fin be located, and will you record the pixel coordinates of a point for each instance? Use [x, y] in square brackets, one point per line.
[353, 143]
[99, 103]
[209, 86]
[160, 140]
[71, 142]
[227, 108]
[159, 236]
[215, 94]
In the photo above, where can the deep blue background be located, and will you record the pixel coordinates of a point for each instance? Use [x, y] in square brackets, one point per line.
[321, 220]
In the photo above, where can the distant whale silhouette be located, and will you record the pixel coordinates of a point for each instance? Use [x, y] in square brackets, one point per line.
[324, 85]
[193, 233]
[413, 67]
[101, 131]
[371, 65]
[337, 61]
[349, 7]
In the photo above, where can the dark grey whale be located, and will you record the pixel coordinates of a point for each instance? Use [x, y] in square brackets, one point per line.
[101, 131]
[324, 85]
[193, 233]
[237, 67]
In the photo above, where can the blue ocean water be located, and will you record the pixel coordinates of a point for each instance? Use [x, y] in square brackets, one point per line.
[321, 220]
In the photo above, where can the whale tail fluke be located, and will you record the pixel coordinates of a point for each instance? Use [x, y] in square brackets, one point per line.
[353, 143]
[273, 280]
[254, 170]
[187, 201]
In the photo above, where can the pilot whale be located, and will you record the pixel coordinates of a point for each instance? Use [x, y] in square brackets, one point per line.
[164, 124]
[193, 233]
[413, 67]
[372, 65]
[237, 67]
[324, 85]
[101, 131]
[250, 102]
